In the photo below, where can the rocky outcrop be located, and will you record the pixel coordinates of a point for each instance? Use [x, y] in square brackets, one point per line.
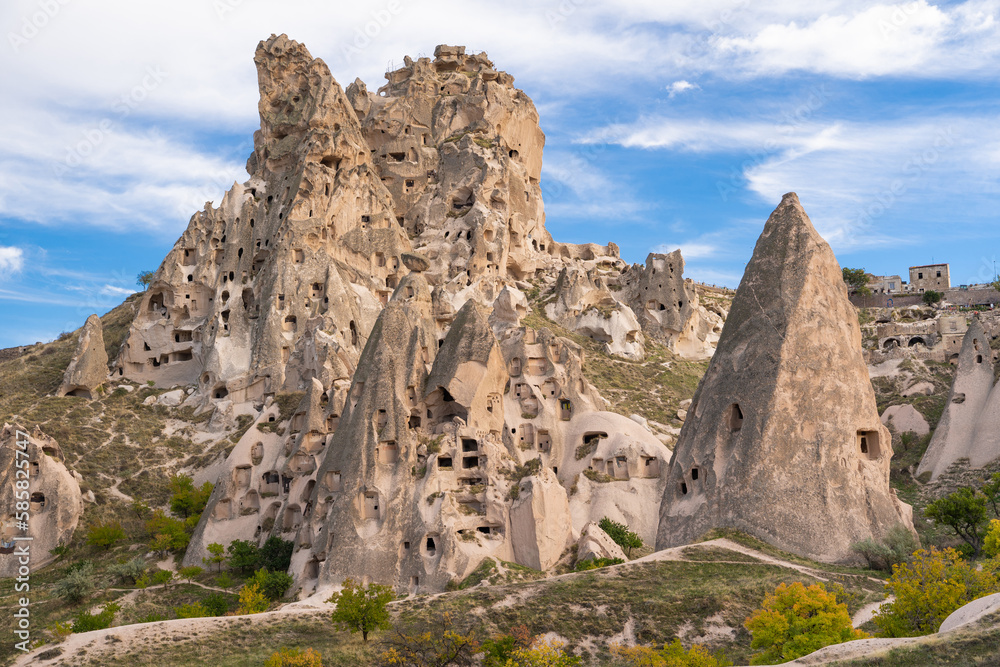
[783, 438]
[40, 492]
[88, 369]
[584, 304]
[594, 543]
[968, 426]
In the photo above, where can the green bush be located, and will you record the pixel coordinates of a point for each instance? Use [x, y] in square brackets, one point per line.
[795, 621]
[621, 535]
[243, 555]
[595, 563]
[105, 535]
[128, 572]
[272, 584]
[965, 512]
[931, 297]
[293, 657]
[190, 572]
[897, 547]
[671, 655]
[276, 554]
[168, 532]
[216, 604]
[224, 580]
[193, 610]
[85, 622]
[186, 500]
[77, 585]
[362, 608]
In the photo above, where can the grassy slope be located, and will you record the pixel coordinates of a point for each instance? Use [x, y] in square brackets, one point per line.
[714, 587]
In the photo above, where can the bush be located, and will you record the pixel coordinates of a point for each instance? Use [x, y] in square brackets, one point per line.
[928, 589]
[498, 650]
[129, 571]
[85, 622]
[252, 600]
[272, 584]
[216, 604]
[965, 512]
[621, 535]
[595, 563]
[436, 643]
[224, 580]
[243, 555]
[194, 610]
[931, 297]
[897, 547]
[152, 617]
[186, 500]
[190, 572]
[77, 585]
[293, 657]
[276, 554]
[169, 534]
[672, 655]
[105, 535]
[991, 542]
[362, 608]
[162, 577]
[797, 620]
[542, 654]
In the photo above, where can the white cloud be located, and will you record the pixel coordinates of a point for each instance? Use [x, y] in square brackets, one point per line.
[112, 290]
[574, 186]
[682, 86]
[11, 261]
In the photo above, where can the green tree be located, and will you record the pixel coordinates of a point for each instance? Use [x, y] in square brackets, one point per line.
[186, 500]
[85, 621]
[190, 572]
[272, 584]
[362, 608]
[177, 536]
[896, 547]
[991, 491]
[243, 555]
[216, 555]
[621, 535]
[965, 512]
[276, 554]
[797, 620]
[927, 589]
[931, 297]
[857, 281]
[215, 603]
[162, 577]
[129, 571]
[78, 584]
[105, 535]
[144, 279]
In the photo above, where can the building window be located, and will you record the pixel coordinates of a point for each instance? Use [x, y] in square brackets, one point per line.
[920, 276]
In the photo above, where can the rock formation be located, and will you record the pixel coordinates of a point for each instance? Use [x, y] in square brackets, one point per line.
[88, 368]
[361, 299]
[969, 424]
[783, 438]
[51, 503]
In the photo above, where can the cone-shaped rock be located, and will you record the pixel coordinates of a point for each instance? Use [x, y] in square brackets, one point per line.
[783, 439]
[89, 367]
[956, 435]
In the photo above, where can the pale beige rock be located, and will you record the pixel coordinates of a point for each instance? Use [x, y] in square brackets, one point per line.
[783, 439]
[88, 369]
[594, 543]
[905, 419]
[540, 521]
[54, 503]
[919, 389]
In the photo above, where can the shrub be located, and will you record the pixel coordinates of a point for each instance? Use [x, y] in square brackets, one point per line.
[129, 571]
[105, 535]
[252, 600]
[897, 546]
[61, 631]
[498, 650]
[595, 563]
[190, 572]
[293, 657]
[162, 577]
[797, 620]
[928, 589]
[436, 643]
[161, 525]
[193, 610]
[362, 608]
[931, 297]
[542, 654]
[186, 500]
[85, 622]
[243, 555]
[621, 535]
[276, 554]
[152, 617]
[272, 584]
[991, 542]
[216, 604]
[965, 512]
[672, 655]
[77, 585]
[224, 580]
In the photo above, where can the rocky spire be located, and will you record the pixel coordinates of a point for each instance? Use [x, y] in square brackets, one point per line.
[88, 369]
[783, 439]
[962, 431]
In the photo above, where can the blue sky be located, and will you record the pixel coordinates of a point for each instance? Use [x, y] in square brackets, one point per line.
[668, 125]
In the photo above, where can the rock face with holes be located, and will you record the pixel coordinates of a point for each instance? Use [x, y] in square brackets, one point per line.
[586, 305]
[88, 369]
[39, 490]
[783, 438]
[362, 300]
[969, 423]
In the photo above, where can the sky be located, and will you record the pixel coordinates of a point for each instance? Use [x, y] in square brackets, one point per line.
[668, 124]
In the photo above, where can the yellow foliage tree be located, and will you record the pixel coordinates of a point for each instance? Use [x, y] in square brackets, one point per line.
[797, 620]
[991, 543]
[252, 600]
[928, 589]
[672, 655]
